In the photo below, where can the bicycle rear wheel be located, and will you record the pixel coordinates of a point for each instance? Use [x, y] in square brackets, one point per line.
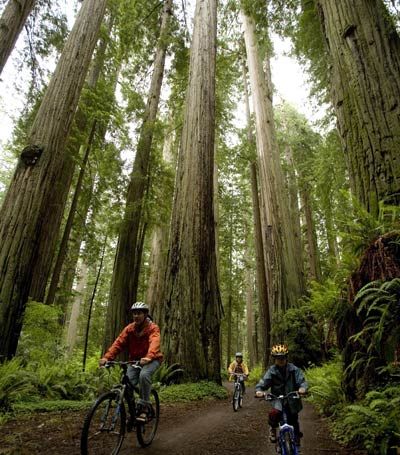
[145, 432]
[104, 427]
[236, 398]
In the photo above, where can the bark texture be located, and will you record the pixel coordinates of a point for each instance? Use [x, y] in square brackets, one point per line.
[365, 85]
[263, 300]
[32, 208]
[128, 256]
[284, 276]
[11, 23]
[191, 332]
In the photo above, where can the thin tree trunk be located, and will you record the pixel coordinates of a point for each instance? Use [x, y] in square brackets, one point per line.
[249, 309]
[11, 23]
[192, 298]
[365, 84]
[313, 253]
[32, 208]
[124, 280]
[67, 230]
[76, 307]
[86, 341]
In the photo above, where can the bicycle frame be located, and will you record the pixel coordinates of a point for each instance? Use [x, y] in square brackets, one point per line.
[286, 431]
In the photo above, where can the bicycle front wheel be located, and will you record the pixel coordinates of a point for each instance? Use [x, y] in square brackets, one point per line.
[145, 431]
[288, 444]
[236, 398]
[104, 427]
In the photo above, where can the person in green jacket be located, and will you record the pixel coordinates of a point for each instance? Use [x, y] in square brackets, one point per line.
[283, 378]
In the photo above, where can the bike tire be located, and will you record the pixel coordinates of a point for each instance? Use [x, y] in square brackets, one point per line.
[145, 432]
[104, 426]
[235, 400]
[288, 444]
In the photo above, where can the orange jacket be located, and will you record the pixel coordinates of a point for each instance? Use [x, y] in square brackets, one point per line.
[145, 343]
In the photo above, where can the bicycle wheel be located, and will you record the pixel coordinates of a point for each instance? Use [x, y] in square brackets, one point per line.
[236, 398]
[145, 432]
[240, 397]
[104, 427]
[288, 444]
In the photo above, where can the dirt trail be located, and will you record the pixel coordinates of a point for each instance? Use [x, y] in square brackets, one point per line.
[203, 428]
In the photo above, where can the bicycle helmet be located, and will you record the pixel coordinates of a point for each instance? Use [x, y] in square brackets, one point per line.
[238, 354]
[140, 306]
[279, 350]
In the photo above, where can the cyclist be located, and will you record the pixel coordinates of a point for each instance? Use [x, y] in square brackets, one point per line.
[283, 378]
[141, 339]
[238, 367]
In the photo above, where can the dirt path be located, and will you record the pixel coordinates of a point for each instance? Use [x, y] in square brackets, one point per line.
[204, 428]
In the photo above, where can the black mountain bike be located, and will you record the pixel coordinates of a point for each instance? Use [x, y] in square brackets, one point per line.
[105, 425]
[237, 400]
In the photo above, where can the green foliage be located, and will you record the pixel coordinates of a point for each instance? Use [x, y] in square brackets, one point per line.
[255, 374]
[167, 375]
[325, 387]
[201, 390]
[373, 423]
[300, 329]
[41, 332]
[15, 383]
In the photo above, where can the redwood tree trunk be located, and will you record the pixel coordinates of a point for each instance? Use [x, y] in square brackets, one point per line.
[365, 84]
[285, 276]
[11, 22]
[191, 332]
[32, 207]
[263, 300]
[127, 260]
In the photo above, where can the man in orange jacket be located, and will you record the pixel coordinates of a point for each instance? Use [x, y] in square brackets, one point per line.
[141, 339]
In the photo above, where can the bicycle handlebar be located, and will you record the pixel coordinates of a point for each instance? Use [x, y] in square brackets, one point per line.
[270, 396]
[134, 363]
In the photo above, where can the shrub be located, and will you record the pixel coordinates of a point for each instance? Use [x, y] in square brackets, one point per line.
[192, 392]
[325, 387]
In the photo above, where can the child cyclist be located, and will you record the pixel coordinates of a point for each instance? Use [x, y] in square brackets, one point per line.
[238, 367]
[283, 378]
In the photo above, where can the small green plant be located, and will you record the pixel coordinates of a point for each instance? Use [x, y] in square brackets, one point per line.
[373, 423]
[168, 375]
[325, 387]
[255, 374]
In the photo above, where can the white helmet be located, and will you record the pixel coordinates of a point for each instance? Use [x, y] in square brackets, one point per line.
[140, 306]
[238, 354]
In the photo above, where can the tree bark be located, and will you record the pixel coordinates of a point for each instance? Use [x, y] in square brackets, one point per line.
[365, 84]
[191, 332]
[263, 299]
[32, 208]
[285, 278]
[67, 230]
[11, 23]
[124, 280]
[76, 306]
[249, 309]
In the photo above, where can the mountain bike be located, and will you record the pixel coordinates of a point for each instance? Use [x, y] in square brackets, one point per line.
[238, 389]
[285, 442]
[106, 423]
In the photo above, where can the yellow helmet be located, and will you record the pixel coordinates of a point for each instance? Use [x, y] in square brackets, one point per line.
[279, 350]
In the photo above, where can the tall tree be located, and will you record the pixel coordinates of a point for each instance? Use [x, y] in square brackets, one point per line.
[364, 47]
[32, 208]
[191, 332]
[11, 23]
[285, 276]
[128, 255]
[263, 299]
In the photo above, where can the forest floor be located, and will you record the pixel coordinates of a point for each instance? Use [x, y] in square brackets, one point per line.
[196, 428]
